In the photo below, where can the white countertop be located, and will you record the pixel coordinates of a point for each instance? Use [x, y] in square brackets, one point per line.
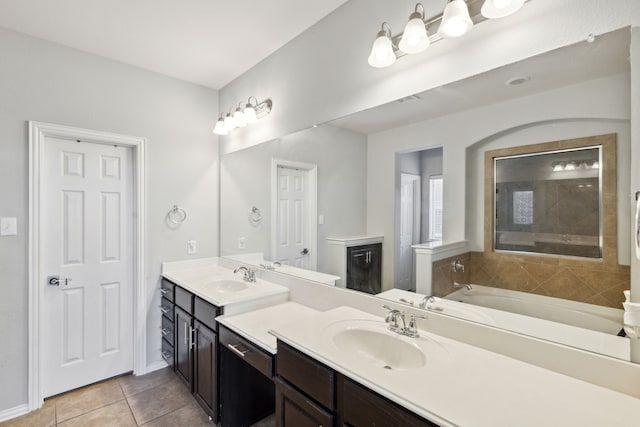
[257, 259]
[462, 385]
[357, 240]
[199, 279]
[255, 325]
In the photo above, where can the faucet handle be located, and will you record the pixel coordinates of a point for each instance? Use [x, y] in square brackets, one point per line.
[392, 317]
[412, 329]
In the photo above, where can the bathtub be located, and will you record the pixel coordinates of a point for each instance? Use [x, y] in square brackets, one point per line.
[583, 326]
[588, 316]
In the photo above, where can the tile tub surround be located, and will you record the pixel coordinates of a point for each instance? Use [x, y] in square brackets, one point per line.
[590, 282]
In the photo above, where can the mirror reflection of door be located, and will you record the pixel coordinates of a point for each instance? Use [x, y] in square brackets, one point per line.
[293, 202]
[418, 209]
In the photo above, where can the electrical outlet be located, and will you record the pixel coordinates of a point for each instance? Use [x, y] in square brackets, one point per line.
[8, 227]
[320, 219]
[191, 247]
[242, 243]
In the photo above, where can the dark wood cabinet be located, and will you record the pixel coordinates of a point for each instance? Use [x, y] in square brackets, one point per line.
[247, 392]
[359, 406]
[294, 409]
[309, 393]
[190, 343]
[183, 346]
[364, 268]
[205, 362]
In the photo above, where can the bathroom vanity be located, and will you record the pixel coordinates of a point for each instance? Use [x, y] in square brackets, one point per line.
[320, 355]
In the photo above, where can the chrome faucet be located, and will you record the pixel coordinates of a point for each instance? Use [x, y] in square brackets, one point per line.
[427, 299]
[462, 285]
[395, 317]
[392, 318]
[457, 266]
[249, 275]
[271, 266]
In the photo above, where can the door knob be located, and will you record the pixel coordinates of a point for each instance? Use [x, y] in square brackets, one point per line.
[56, 281]
[304, 251]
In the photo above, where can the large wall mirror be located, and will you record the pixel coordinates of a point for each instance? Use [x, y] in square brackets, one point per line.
[354, 166]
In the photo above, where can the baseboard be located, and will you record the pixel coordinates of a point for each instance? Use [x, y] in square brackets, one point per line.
[10, 413]
[156, 366]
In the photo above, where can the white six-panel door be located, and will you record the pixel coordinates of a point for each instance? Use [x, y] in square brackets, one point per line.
[86, 232]
[291, 217]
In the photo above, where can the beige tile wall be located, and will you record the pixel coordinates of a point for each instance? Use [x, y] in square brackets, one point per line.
[587, 281]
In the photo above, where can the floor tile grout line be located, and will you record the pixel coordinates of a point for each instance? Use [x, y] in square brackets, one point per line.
[163, 415]
[135, 420]
[93, 410]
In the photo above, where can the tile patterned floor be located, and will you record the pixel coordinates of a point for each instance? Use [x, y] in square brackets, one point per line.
[157, 399]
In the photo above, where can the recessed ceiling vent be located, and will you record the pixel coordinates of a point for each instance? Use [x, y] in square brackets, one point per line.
[409, 98]
[515, 81]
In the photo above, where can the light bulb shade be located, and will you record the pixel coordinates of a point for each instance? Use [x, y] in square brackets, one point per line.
[250, 114]
[219, 128]
[415, 38]
[494, 9]
[455, 19]
[382, 54]
[238, 119]
[229, 125]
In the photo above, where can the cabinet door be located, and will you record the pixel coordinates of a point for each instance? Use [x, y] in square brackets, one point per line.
[183, 343]
[205, 372]
[294, 409]
[364, 268]
[362, 407]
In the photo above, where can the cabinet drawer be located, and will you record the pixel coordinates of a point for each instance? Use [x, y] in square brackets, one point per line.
[206, 313]
[166, 289]
[166, 307]
[307, 374]
[167, 353]
[363, 407]
[250, 353]
[293, 409]
[184, 299]
[166, 329]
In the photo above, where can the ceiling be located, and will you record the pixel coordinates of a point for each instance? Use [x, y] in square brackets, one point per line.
[607, 55]
[207, 42]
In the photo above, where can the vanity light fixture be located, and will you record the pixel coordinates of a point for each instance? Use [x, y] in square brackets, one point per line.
[219, 128]
[456, 21]
[382, 53]
[241, 117]
[457, 18]
[415, 38]
[494, 9]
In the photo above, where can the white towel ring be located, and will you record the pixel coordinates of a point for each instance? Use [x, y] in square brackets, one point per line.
[255, 216]
[177, 215]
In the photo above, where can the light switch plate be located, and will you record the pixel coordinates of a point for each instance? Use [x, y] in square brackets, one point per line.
[192, 247]
[8, 227]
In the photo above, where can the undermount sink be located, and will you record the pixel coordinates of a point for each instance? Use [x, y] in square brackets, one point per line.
[379, 347]
[228, 285]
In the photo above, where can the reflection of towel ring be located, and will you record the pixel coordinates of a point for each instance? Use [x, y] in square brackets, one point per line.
[255, 216]
[177, 215]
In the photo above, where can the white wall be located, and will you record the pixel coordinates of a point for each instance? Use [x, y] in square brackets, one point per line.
[323, 74]
[245, 181]
[537, 118]
[47, 82]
